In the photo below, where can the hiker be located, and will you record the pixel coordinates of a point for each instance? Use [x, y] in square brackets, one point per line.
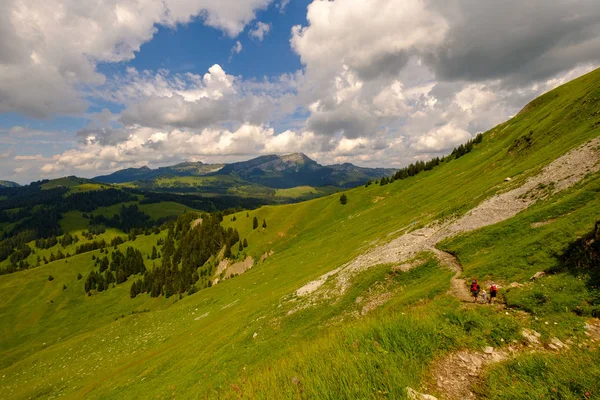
[484, 296]
[475, 290]
[493, 292]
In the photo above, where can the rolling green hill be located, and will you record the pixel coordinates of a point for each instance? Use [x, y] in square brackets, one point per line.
[360, 327]
[8, 184]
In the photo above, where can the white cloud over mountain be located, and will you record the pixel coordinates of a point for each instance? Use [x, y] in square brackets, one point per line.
[383, 82]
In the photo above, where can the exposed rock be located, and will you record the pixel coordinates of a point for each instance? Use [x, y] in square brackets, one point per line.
[488, 350]
[537, 275]
[414, 395]
[255, 335]
[531, 336]
[557, 344]
[507, 179]
[515, 285]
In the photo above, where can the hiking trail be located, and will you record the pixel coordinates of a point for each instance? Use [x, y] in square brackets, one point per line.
[560, 174]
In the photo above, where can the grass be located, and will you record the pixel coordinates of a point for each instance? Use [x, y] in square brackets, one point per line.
[537, 376]
[304, 191]
[203, 346]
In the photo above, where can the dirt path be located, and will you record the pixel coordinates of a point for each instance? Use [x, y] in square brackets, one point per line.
[559, 175]
[458, 288]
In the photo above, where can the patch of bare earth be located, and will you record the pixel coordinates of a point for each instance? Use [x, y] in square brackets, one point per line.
[562, 173]
[265, 256]
[455, 375]
[542, 223]
[239, 267]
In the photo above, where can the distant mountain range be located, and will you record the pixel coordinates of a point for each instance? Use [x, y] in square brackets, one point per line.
[272, 171]
[8, 184]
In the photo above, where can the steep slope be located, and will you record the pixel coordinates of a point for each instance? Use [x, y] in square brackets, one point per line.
[252, 337]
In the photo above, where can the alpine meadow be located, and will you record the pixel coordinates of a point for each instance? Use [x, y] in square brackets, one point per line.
[309, 199]
[292, 307]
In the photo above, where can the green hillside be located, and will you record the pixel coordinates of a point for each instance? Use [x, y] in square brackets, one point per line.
[385, 328]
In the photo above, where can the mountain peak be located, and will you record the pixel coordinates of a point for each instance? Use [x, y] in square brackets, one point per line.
[298, 158]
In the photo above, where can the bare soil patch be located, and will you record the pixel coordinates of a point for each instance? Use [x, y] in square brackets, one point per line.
[239, 267]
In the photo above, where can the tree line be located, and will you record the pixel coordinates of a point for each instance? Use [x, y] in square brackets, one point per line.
[185, 254]
[419, 166]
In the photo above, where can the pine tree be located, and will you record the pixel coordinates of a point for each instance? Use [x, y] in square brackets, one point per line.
[245, 243]
[264, 223]
[343, 199]
[241, 246]
[79, 276]
[255, 223]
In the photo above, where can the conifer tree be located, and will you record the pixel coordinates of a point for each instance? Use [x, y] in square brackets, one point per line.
[255, 223]
[343, 199]
[245, 243]
[264, 223]
[241, 246]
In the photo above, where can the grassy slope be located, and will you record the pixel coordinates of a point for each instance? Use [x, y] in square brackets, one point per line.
[204, 343]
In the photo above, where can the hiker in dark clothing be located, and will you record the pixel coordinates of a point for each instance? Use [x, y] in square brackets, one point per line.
[493, 292]
[475, 290]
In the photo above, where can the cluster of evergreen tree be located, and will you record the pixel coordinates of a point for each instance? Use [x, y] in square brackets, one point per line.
[185, 253]
[90, 246]
[68, 239]
[415, 168]
[46, 243]
[89, 201]
[129, 218]
[95, 229]
[14, 216]
[117, 270]
[419, 166]
[11, 244]
[59, 256]
[467, 147]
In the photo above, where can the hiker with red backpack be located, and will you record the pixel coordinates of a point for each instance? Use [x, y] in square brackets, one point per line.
[493, 292]
[475, 290]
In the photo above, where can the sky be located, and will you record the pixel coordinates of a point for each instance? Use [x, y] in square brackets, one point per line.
[88, 87]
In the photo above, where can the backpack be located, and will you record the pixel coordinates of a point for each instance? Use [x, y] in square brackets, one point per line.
[494, 289]
[474, 287]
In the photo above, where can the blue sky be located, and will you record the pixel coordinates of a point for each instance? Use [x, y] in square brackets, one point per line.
[119, 84]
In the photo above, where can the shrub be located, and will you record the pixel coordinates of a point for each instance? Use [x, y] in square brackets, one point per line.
[343, 199]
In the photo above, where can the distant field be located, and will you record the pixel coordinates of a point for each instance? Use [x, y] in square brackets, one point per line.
[67, 182]
[304, 191]
[164, 209]
[88, 187]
